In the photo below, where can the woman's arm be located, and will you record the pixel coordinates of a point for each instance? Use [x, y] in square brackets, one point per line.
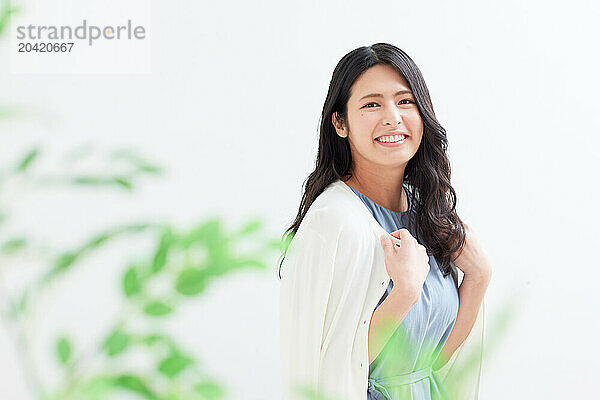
[387, 317]
[470, 294]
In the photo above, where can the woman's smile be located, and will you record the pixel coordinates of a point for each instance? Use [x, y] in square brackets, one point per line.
[392, 141]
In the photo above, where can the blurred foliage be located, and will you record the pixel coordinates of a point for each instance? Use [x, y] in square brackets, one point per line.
[6, 10]
[188, 261]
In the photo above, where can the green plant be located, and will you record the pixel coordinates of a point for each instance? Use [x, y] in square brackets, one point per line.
[185, 261]
[6, 10]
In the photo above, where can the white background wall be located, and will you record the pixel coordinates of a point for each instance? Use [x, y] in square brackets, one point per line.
[230, 105]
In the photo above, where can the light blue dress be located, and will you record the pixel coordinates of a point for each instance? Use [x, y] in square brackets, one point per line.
[402, 370]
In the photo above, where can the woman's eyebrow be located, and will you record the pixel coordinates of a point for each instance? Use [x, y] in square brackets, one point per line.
[380, 95]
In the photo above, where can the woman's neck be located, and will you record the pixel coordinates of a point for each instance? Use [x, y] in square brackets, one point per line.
[382, 190]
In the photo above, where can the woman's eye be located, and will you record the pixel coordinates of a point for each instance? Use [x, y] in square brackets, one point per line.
[368, 104]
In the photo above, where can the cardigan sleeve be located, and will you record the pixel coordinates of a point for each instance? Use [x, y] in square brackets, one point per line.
[309, 298]
[461, 375]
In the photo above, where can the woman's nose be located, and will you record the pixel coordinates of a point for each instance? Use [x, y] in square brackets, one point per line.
[392, 116]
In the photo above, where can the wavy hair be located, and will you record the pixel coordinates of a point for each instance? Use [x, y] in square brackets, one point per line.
[427, 173]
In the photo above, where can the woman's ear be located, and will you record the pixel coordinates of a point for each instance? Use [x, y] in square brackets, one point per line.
[338, 124]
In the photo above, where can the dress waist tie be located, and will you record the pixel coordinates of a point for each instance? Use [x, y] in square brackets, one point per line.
[381, 384]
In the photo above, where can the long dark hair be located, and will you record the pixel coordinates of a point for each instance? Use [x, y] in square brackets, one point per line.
[427, 173]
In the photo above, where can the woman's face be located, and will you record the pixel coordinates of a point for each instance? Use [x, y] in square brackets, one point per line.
[381, 104]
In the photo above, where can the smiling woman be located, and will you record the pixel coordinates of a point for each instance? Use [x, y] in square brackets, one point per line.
[344, 303]
[386, 115]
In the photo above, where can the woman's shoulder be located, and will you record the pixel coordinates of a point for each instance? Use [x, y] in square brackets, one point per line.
[333, 212]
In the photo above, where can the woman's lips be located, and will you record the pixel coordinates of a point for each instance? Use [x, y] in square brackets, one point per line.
[393, 144]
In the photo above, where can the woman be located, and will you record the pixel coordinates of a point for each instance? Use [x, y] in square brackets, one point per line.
[381, 149]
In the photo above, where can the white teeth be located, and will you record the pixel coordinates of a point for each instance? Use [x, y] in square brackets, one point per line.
[391, 139]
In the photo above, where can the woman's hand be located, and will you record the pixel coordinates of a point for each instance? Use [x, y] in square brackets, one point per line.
[407, 264]
[472, 259]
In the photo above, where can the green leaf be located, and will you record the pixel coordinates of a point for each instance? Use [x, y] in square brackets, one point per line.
[13, 245]
[191, 281]
[174, 364]
[157, 309]
[152, 339]
[131, 282]
[5, 12]
[95, 388]
[136, 385]
[116, 343]
[209, 232]
[99, 239]
[27, 160]
[150, 169]
[122, 181]
[284, 243]
[249, 262]
[210, 390]
[310, 393]
[100, 180]
[89, 180]
[252, 226]
[17, 307]
[63, 350]
[274, 243]
[139, 162]
[160, 256]
[138, 227]
[67, 259]
[63, 262]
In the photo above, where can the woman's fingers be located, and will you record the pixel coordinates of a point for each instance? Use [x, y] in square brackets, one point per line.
[387, 244]
[401, 233]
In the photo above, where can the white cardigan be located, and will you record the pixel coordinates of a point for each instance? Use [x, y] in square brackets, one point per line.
[333, 276]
